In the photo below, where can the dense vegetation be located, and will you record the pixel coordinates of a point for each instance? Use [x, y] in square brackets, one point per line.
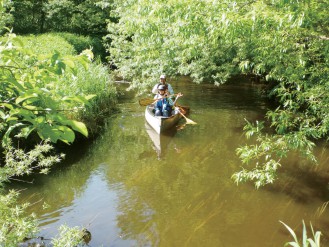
[283, 43]
[81, 17]
[48, 94]
[81, 23]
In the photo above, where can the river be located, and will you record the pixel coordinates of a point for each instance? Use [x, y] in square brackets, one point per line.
[130, 188]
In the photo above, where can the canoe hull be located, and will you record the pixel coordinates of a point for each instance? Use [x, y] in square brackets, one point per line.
[158, 123]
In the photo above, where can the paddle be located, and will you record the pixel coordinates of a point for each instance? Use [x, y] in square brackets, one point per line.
[188, 121]
[145, 102]
[148, 101]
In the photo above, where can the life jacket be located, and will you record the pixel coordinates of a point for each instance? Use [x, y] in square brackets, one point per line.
[165, 101]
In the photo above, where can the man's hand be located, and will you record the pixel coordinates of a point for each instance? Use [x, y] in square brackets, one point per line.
[179, 95]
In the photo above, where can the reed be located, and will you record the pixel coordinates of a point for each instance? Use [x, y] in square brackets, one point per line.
[321, 209]
[306, 241]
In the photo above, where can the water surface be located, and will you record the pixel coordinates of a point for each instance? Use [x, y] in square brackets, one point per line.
[132, 188]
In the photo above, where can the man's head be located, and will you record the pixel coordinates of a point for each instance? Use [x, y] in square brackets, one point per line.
[163, 79]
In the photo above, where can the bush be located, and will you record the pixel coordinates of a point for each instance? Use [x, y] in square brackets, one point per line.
[81, 43]
[93, 80]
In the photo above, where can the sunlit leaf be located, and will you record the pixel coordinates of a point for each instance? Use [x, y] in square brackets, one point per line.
[77, 126]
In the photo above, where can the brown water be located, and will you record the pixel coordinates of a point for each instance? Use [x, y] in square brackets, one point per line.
[132, 189]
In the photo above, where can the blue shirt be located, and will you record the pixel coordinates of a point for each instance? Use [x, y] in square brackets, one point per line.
[165, 101]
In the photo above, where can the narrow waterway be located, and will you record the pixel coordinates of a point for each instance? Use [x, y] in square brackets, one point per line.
[132, 188]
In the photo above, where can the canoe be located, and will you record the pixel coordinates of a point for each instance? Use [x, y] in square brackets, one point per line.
[161, 124]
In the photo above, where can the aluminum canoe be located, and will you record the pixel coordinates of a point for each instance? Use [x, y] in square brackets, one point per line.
[161, 124]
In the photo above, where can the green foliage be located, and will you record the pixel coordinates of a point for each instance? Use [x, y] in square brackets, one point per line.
[69, 237]
[5, 14]
[86, 17]
[33, 100]
[315, 242]
[83, 17]
[14, 226]
[30, 100]
[81, 43]
[96, 81]
[93, 79]
[29, 17]
[39, 44]
[268, 153]
[153, 37]
[19, 162]
[285, 43]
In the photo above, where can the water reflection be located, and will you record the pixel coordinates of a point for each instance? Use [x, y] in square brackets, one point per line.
[161, 141]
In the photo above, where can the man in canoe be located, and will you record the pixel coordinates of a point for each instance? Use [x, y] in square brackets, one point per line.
[163, 82]
[164, 105]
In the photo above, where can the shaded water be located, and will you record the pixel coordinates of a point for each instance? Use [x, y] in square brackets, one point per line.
[131, 188]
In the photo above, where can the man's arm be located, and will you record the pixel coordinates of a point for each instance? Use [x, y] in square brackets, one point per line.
[155, 89]
[177, 97]
[170, 89]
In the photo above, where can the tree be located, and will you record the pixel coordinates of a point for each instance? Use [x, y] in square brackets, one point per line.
[86, 17]
[29, 16]
[5, 14]
[285, 43]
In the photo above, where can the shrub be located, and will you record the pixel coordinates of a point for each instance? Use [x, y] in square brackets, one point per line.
[81, 43]
[93, 80]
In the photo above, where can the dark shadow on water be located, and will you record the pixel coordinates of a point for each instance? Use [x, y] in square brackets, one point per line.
[302, 183]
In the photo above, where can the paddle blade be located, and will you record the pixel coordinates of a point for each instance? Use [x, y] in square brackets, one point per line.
[189, 121]
[146, 101]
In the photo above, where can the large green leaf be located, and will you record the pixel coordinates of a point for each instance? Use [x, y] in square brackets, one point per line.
[6, 137]
[80, 99]
[25, 97]
[77, 126]
[67, 135]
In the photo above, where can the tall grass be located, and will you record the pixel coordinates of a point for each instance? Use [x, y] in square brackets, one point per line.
[47, 44]
[65, 43]
[96, 80]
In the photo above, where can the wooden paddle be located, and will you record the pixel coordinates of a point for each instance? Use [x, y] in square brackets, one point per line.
[188, 121]
[148, 101]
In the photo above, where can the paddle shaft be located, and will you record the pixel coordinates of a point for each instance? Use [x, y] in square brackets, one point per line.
[148, 101]
[188, 121]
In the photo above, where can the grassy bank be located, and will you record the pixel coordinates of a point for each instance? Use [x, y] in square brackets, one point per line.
[94, 80]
